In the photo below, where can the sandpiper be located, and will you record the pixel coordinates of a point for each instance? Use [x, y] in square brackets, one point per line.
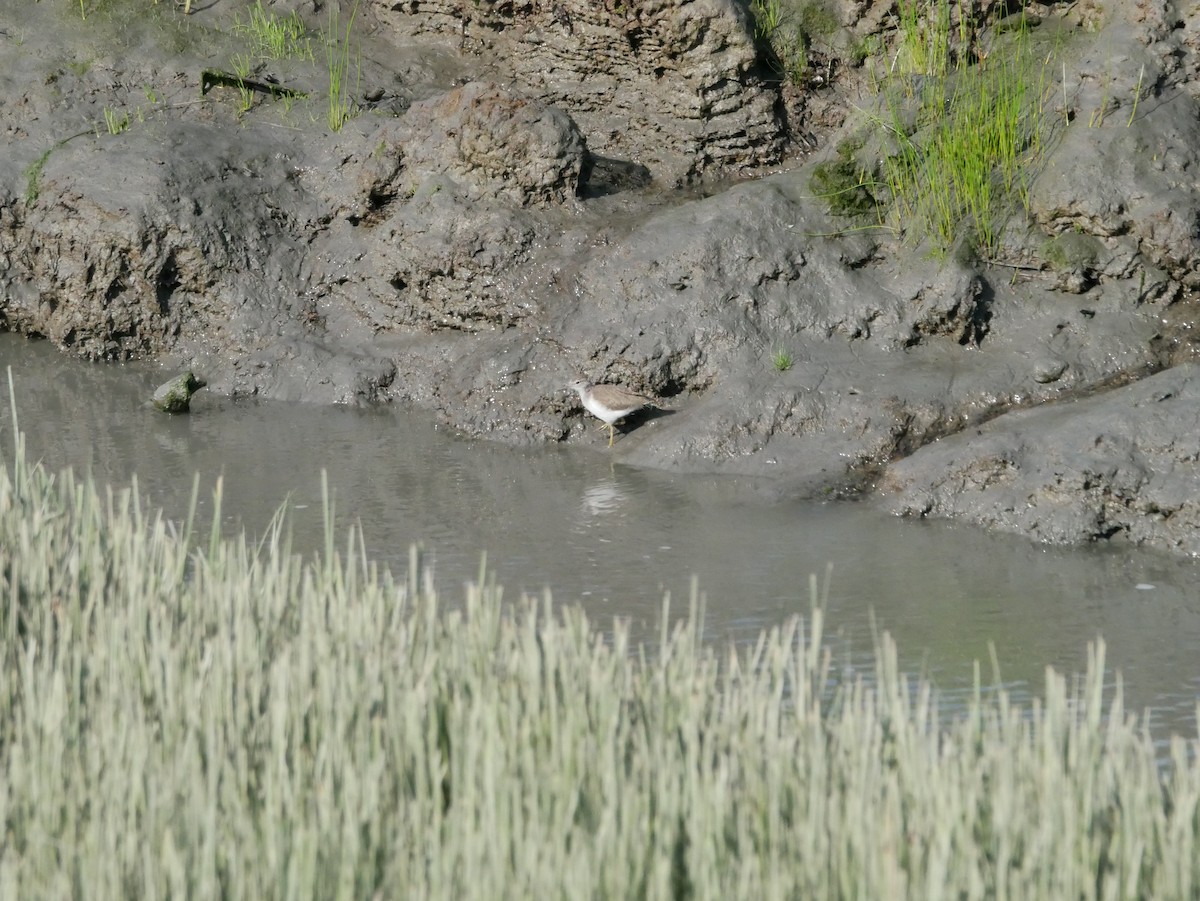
[608, 402]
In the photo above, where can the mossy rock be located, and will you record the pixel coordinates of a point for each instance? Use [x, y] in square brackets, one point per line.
[844, 182]
[816, 20]
[175, 395]
[1072, 250]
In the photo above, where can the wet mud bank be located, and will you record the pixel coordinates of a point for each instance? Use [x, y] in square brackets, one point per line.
[496, 199]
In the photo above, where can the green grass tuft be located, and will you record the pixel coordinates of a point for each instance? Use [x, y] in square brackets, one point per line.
[115, 122]
[787, 30]
[272, 36]
[243, 67]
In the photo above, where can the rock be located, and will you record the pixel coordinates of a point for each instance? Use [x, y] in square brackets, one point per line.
[1120, 465]
[672, 84]
[124, 265]
[495, 142]
[1141, 211]
[175, 395]
[1048, 370]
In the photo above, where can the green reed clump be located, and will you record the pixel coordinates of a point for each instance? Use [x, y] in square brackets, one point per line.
[235, 722]
[966, 125]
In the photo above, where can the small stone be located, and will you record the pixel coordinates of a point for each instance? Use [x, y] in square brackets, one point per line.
[175, 395]
[1047, 371]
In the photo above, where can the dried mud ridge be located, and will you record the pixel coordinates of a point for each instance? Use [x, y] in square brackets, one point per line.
[529, 193]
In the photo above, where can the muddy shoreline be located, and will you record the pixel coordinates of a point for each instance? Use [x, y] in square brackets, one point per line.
[526, 193]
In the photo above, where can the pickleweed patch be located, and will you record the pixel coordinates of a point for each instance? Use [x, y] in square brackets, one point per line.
[214, 715]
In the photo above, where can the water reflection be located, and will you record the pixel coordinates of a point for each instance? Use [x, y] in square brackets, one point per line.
[602, 498]
[618, 539]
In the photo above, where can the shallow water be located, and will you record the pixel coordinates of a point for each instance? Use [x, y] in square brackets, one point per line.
[616, 539]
